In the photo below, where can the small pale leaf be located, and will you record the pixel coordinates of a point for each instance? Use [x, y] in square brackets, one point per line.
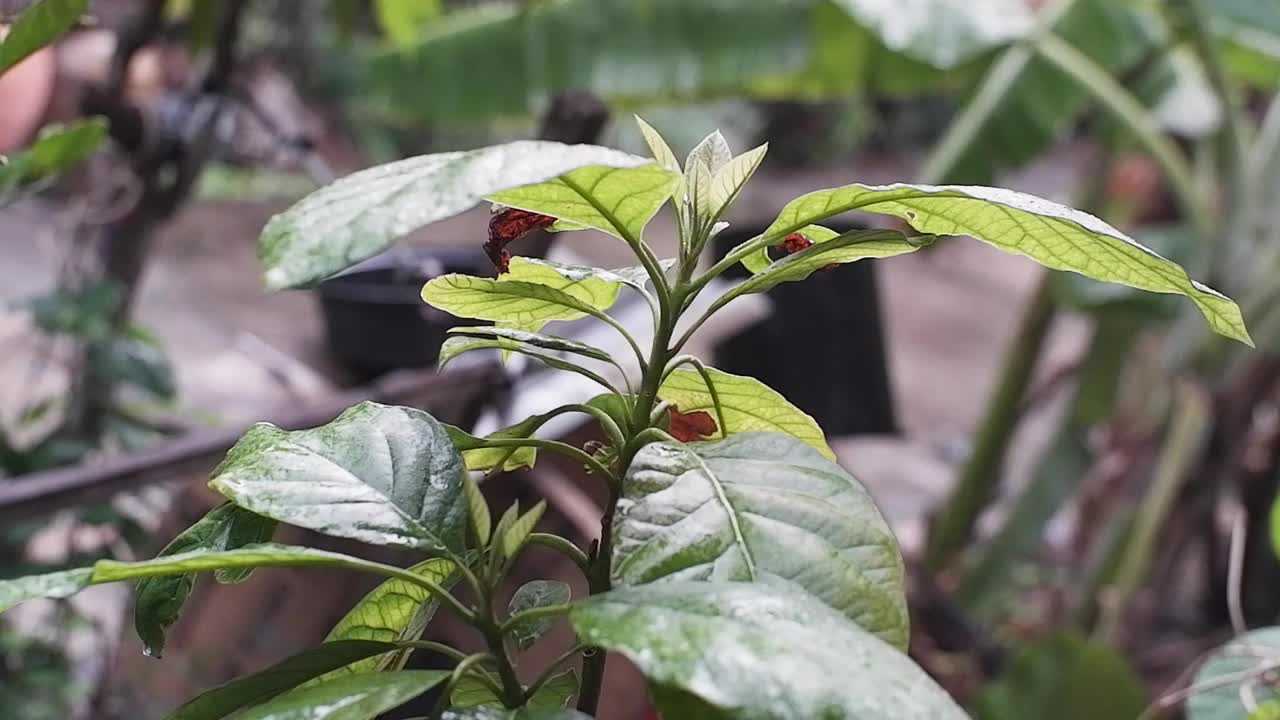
[536, 594]
[515, 535]
[481, 522]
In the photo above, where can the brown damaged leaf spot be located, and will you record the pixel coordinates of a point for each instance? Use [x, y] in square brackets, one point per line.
[508, 225]
[692, 427]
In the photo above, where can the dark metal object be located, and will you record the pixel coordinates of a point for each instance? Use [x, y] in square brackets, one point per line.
[823, 347]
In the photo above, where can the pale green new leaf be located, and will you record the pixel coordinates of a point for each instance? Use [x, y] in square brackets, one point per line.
[616, 200]
[536, 594]
[362, 696]
[1053, 235]
[661, 151]
[748, 405]
[478, 507]
[379, 474]
[527, 304]
[713, 152]
[1231, 667]
[514, 536]
[223, 701]
[39, 25]
[760, 507]
[69, 582]
[729, 180]
[755, 652]
[478, 457]
[394, 611]
[404, 20]
[361, 214]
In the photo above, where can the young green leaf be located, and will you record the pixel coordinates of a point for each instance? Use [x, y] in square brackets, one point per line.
[760, 507]
[361, 214]
[536, 594]
[748, 405]
[505, 522]
[729, 180]
[478, 507]
[1228, 669]
[527, 304]
[713, 152]
[661, 151]
[514, 536]
[226, 699]
[394, 611]
[756, 652]
[471, 693]
[159, 601]
[348, 697]
[480, 458]
[69, 582]
[616, 200]
[1053, 235]
[379, 474]
[39, 25]
[56, 148]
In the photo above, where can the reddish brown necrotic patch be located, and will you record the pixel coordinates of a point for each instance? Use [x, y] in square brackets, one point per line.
[691, 427]
[508, 225]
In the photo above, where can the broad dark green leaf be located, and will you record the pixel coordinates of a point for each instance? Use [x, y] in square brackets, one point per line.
[536, 594]
[69, 582]
[348, 697]
[222, 701]
[1236, 665]
[379, 474]
[754, 652]
[830, 248]
[135, 361]
[394, 611]
[748, 404]
[477, 457]
[55, 149]
[39, 25]
[616, 200]
[1051, 234]
[1064, 677]
[361, 214]
[760, 507]
[158, 601]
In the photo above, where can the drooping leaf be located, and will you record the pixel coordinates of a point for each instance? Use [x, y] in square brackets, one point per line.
[748, 405]
[1228, 670]
[247, 690]
[379, 474]
[396, 610]
[754, 652]
[55, 149]
[361, 214]
[458, 344]
[1051, 234]
[616, 200]
[478, 509]
[514, 536]
[362, 696]
[829, 248]
[158, 601]
[1064, 677]
[943, 33]
[478, 457]
[39, 25]
[69, 582]
[760, 507]
[536, 594]
[544, 342]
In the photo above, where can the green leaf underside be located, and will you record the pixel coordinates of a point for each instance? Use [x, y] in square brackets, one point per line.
[543, 342]
[396, 610]
[829, 248]
[756, 652]
[604, 198]
[1051, 234]
[361, 214]
[259, 687]
[39, 25]
[636, 277]
[1259, 648]
[158, 601]
[69, 582]
[379, 474]
[458, 345]
[536, 594]
[748, 405]
[529, 305]
[348, 697]
[479, 458]
[760, 507]
[557, 692]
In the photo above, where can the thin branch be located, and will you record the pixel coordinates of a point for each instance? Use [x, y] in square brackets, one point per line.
[1235, 571]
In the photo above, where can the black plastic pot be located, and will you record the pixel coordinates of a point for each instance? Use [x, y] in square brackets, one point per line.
[374, 316]
[823, 347]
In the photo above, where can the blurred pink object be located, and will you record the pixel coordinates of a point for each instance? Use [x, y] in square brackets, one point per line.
[25, 92]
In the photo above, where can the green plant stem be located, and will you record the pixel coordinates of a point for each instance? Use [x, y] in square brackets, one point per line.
[435, 647]
[512, 692]
[564, 449]
[953, 527]
[546, 611]
[1130, 114]
[549, 673]
[564, 547]
[1183, 448]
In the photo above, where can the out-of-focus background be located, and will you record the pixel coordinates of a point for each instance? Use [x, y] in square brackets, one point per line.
[1081, 477]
